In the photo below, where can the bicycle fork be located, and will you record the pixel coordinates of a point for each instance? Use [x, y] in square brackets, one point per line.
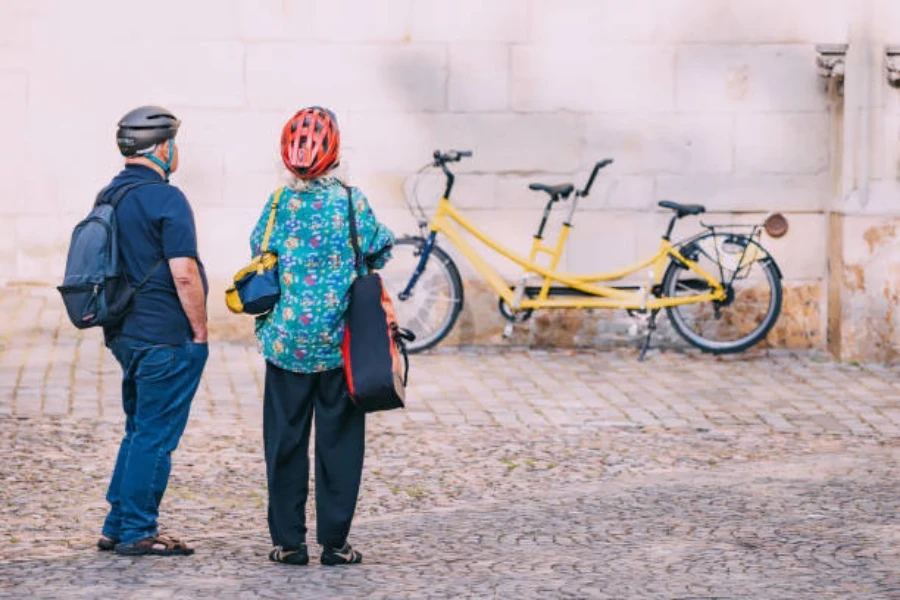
[420, 268]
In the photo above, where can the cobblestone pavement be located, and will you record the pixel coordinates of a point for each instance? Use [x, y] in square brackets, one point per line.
[512, 474]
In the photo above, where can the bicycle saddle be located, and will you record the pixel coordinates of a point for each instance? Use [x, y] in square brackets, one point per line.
[683, 210]
[563, 189]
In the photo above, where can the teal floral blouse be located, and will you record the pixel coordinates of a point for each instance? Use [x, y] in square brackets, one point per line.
[311, 236]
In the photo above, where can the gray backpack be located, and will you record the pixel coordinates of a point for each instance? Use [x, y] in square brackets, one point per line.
[95, 289]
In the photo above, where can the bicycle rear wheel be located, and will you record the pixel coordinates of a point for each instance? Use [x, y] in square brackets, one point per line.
[751, 280]
[435, 302]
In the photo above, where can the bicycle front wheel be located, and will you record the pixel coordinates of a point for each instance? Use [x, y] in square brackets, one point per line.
[752, 282]
[434, 303]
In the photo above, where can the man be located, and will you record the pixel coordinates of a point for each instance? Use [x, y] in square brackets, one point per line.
[161, 344]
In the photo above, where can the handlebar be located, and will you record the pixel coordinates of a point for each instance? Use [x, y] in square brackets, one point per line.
[441, 158]
[587, 187]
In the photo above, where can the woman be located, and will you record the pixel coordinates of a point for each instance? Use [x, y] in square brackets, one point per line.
[301, 342]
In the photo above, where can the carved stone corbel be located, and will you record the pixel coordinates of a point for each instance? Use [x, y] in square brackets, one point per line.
[831, 61]
[892, 65]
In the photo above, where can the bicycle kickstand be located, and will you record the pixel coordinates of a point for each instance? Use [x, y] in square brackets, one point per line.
[651, 327]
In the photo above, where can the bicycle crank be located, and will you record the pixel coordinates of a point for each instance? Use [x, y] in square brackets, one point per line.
[519, 316]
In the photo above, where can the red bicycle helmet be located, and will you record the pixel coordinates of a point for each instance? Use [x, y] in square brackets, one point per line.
[311, 142]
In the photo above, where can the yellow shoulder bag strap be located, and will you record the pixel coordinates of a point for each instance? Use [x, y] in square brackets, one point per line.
[271, 224]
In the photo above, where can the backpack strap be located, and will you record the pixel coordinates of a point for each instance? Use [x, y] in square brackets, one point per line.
[149, 275]
[113, 195]
[354, 233]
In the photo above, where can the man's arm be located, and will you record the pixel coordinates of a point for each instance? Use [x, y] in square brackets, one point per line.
[189, 285]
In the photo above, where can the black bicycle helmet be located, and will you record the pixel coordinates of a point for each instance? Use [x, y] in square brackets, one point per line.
[143, 128]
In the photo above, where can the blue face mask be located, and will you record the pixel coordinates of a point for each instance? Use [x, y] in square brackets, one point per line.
[165, 166]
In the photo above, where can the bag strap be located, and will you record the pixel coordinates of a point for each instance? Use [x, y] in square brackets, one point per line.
[357, 263]
[354, 234]
[405, 355]
[271, 224]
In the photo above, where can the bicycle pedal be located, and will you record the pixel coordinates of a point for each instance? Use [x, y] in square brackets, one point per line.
[508, 331]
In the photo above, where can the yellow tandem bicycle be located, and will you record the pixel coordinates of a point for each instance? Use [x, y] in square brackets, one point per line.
[720, 288]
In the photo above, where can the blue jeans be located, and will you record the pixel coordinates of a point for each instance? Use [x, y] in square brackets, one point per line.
[158, 384]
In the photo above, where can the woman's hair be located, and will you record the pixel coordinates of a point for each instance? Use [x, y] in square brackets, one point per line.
[297, 184]
[293, 182]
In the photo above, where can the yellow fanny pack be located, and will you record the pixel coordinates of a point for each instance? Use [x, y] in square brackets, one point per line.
[256, 287]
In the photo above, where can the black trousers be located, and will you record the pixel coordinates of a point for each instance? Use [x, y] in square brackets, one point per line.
[291, 400]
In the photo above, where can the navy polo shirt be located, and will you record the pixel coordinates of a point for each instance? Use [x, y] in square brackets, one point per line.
[155, 224]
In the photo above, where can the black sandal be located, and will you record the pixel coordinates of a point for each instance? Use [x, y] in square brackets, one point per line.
[107, 544]
[300, 556]
[345, 555]
[158, 545]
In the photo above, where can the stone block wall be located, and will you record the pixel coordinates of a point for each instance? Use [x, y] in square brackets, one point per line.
[709, 101]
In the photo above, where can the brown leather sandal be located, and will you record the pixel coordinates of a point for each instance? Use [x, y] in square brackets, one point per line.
[158, 545]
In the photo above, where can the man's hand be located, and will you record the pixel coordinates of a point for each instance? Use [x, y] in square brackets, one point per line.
[189, 285]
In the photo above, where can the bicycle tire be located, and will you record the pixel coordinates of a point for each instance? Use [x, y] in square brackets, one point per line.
[676, 314]
[412, 316]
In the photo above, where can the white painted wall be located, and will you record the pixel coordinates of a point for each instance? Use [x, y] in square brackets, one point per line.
[711, 101]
